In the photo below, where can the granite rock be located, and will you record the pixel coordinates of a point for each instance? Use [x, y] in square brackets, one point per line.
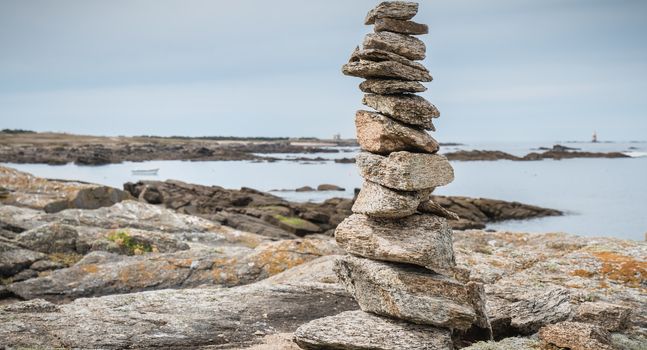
[431, 207]
[406, 171]
[388, 87]
[410, 109]
[385, 69]
[413, 293]
[403, 45]
[611, 317]
[423, 240]
[576, 336]
[362, 330]
[381, 202]
[392, 9]
[379, 134]
[376, 55]
[400, 26]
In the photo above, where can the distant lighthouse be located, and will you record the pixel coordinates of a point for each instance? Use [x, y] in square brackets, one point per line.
[594, 139]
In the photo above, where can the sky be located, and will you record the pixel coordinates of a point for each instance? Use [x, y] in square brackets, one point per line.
[504, 70]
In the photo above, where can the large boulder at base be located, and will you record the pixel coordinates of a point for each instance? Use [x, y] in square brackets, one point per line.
[406, 171]
[361, 330]
[412, 293]
[409, 109]
[400, 26]
[576, 336]
[379, 134]
[403, 10]
[378, 201]
[423, 240]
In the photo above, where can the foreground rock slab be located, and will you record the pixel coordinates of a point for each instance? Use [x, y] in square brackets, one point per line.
[423, 240]
[412, 293]
[576, 336]
[392, 9]
[361, 330]
[379, 134]
[406, 171]
[381, 202]
[410, 109]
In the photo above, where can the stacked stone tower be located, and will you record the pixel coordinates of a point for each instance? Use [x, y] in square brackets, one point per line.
[401, 267]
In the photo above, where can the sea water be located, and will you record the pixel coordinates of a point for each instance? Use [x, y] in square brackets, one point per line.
[600, 197]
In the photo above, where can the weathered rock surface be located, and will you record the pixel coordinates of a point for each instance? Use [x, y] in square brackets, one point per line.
[611, 317]
[413, 294]
[392, 9]
[382, 135]
[400, 26]
[26, 190]
[378, 201]
[361, 330]
[14, 259]
[512, 343]
[390, 86]
[385, 69]
[403, 45]
[406, 171]
[431, 207]
[410, 109]
[376, 55]
[576, 336]
[423, 240]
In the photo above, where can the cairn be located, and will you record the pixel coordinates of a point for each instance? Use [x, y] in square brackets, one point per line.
[401, 267]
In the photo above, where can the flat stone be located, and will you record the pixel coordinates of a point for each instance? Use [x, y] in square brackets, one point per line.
[385, 69]
[410, 109]
[375, 55]
[388, 86]
[576, 336]
[413, 293]
[431, 207]
[379, 134]
[406, 171]
[403, 45]
[400, 26]
[392, 9]
[378, 201]
[420, 239]
[362, 330]
[611, 317]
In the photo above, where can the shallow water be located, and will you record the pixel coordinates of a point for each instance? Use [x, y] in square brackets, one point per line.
[602, 197]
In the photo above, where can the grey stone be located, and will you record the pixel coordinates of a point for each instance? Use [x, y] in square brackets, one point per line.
[410, 109]
[14, 259]
[413, 293]
[379, 134]
[400, 26]
[50, 238]
[392, 9]
[387, 87]
[376, 55]
[364, 331]
[576, 336]
[406, 171]
[403, 45]
[611, 317]
[385, 69]
[423, 240]
[431, 207]
[381, 202]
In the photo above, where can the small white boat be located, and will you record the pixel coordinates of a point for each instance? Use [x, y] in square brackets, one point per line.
[145, 172]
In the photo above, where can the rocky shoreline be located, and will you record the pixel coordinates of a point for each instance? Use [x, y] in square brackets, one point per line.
[60, 149]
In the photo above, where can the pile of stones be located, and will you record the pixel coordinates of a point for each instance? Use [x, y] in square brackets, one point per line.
[401, 267]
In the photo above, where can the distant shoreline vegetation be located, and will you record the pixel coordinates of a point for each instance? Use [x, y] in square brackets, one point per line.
[16, 131]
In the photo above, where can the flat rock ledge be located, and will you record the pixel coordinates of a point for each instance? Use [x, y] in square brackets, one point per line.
[400, 26]
[412, 293]
[380, 134]
[403, 45]
[409, 109]
[376, 55]
[406, 171]
[390, 86]
[423, 240]
[385, 69]
[362, 330]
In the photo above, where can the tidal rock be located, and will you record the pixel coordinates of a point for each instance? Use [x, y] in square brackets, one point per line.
[410, 109]
[609, 316]
[362, 330]
[385, 69]
[392, 9]
[375, 55]
[400, 26]
[50, 238]
[406, 171]
[382, 135]
[403, 45]
[423, 240]
[387, 87]
[329, 187]
[431, 207]
[14, 259]
[381, 202]
[576, 336]
[512, 343]
[413, 293]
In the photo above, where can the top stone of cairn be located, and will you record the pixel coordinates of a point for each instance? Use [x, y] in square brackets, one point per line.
[402, 10]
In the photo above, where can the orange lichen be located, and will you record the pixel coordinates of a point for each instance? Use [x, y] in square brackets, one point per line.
[583, 273]
[91, 268]
[622, 268]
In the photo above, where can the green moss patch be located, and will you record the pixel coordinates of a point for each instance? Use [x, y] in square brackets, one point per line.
[129, 243]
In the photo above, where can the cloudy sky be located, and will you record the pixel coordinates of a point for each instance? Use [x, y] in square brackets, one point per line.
[503, 69]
